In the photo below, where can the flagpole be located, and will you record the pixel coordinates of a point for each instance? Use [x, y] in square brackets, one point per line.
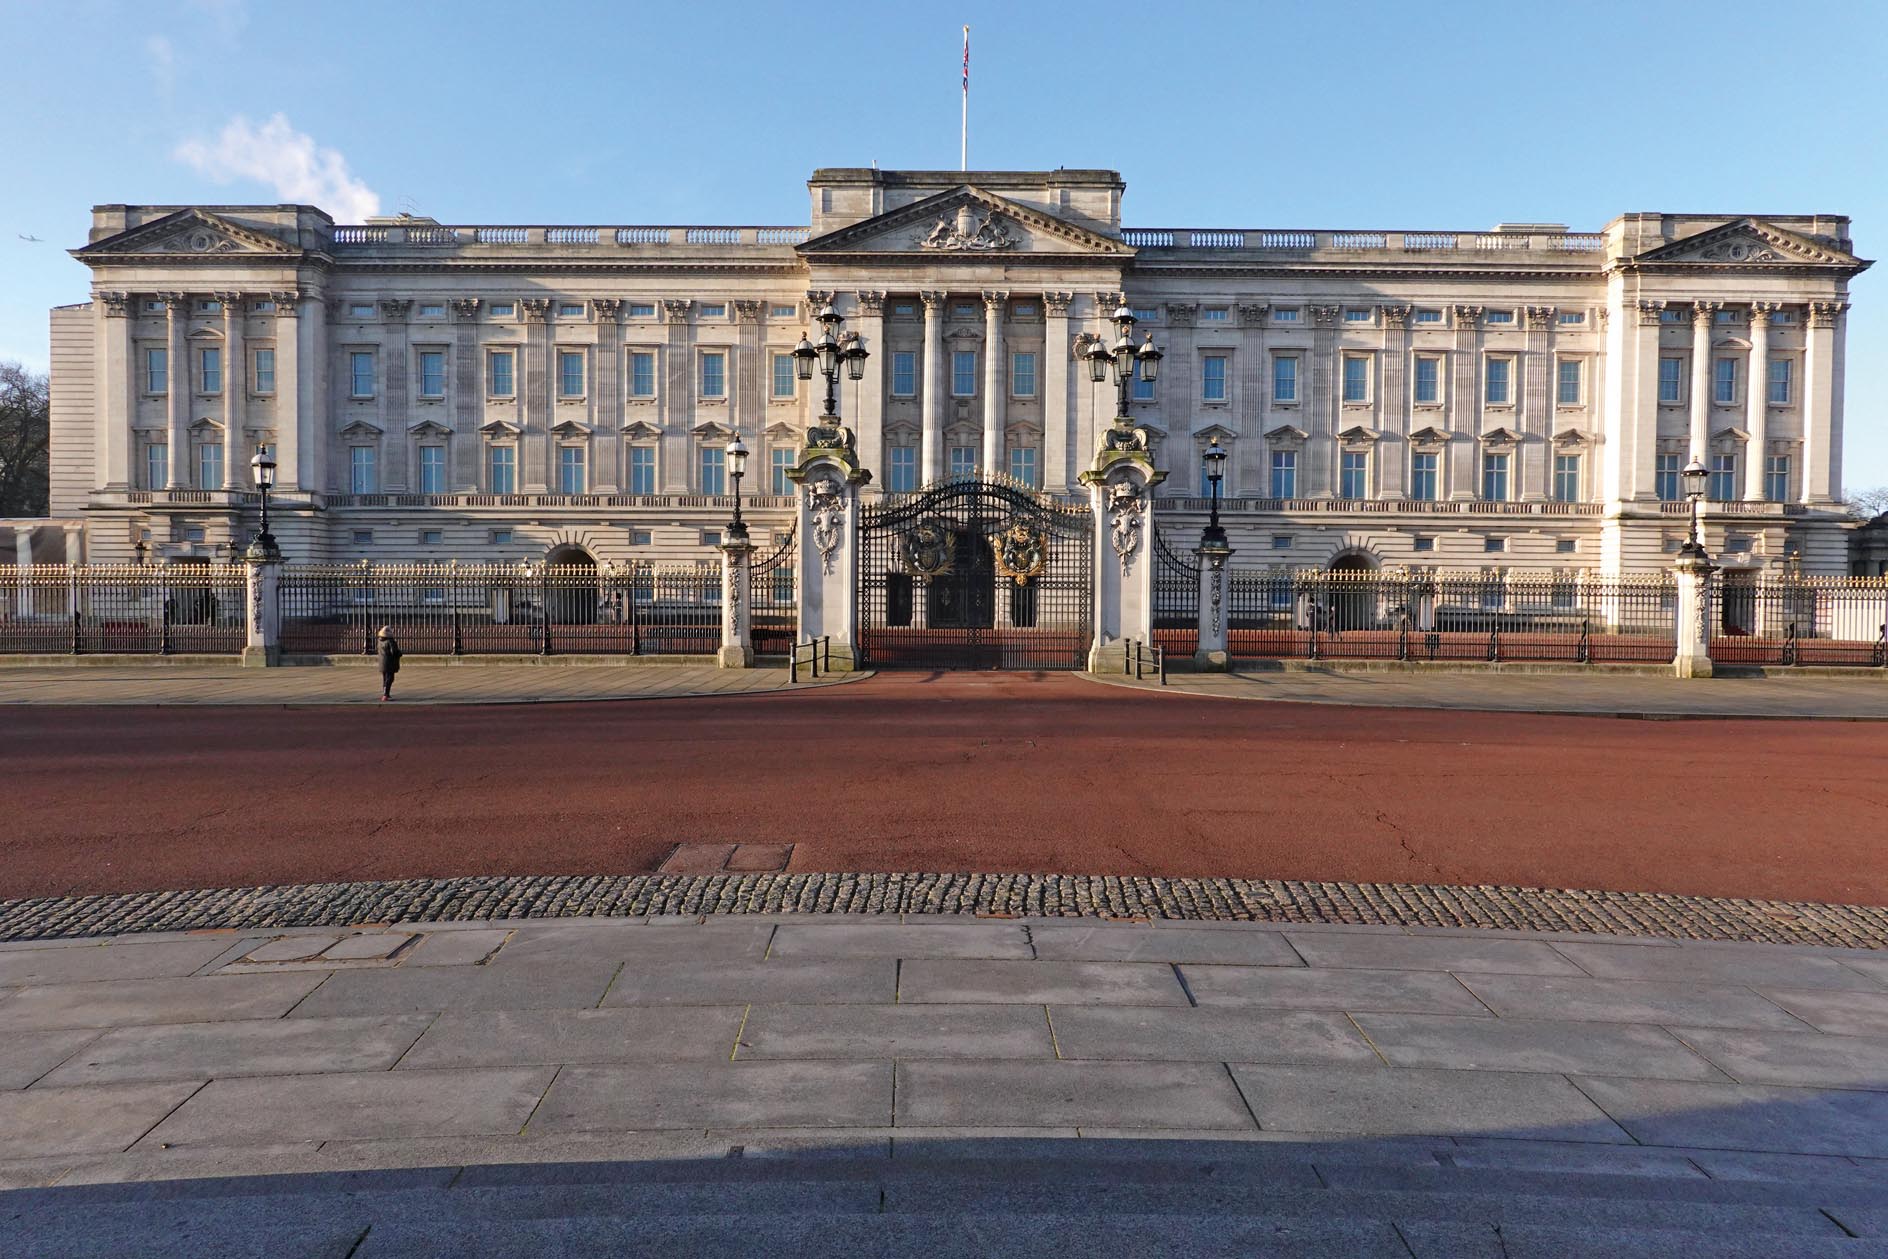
[963, 155]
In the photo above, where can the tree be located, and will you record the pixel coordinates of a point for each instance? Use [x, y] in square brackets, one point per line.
[1869, 504]
[25, 436]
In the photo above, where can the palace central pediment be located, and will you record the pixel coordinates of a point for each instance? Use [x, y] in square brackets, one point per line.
[965, 223]
[1749, 243]
[192, 233]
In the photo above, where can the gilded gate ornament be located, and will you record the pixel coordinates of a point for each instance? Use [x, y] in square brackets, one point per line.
[1124, 528]
[929, 551]
[1021, 553]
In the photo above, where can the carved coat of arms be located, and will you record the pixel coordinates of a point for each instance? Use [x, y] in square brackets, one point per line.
[1021, 553]
[990, 232]
[929, 551]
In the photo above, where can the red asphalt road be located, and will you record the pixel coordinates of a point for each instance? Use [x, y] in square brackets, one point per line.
[952, 772]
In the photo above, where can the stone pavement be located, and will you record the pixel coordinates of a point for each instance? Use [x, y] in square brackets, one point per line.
[876, 1086]
[1599, 693]
[484, 681]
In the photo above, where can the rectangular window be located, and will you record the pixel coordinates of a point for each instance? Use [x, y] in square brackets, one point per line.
[1023, 375]
[363, 537]
[1281, 542]
[642, 374]
[642, 470]
[156, 371]
[362, 310]
[963, 373]
[361, 374]
[1572, 317]
[1566, 478]
[500, 381]
[432, 310]
[642, 310]
[1213, 378]
[1494, 544]
[156, 466]
[785, 381]
[904, 374]
[780, 311]
[1428, 314]
[210, 466]
[714, 375]
[1356, 378]
[1495, 477]
[503, 310]
[963, 460]
[501, 464]
[360, 469]
[263, 380]
[569, 374]
[211, 374]
[964, 310]
[1284, 474]
[1671, 380]
[1285, 314]
[209, 306]
[1352, 475]
[1143, 389]
[570, 310]
[1724, 381]
[1723, 484]
[432, 373]
[1214, 314]
[1665, 478]
[1499, 376]
[1726, 316]
[501, 537]
[780, 461]
[1428, 379]
[711, 537]
[1422, 544]
[714, 310]
[1285, 378]
[714, 470]
[570, 470]
[1567, 384]
[903, 477]
[1500, 316]
[1422, 477]
[1023, 464]
[1672, 314]
[1776, 478]
[432, 469]
[898, 308]
[432, 537]
[1358, 315]
[640, 537]
[1779, 381]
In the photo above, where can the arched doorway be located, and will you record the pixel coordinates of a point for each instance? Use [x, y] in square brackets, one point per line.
[1351, 595]
[570, 586]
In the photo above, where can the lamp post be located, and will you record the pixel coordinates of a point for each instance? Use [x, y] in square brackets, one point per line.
[1215, 459]
[737, 468]
[833, 348]
[1696, 477]
[264, 467]
[1123, 359]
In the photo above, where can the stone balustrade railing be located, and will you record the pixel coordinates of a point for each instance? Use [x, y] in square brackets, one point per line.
[1272, 240]
[434, 236]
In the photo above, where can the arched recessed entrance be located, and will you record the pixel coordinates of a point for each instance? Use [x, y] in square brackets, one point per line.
[1351, 598]
[570, 586]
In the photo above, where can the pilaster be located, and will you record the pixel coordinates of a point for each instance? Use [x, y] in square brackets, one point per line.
[994, 302]
[235, 390]
[1390, 455]
[869, 323]
[737, 638]
[1536, 420]
[1822, 375]
[177, 381]
[1757, 400]
[396, 400]
[116, 385]
[468, 397]
[606, 443]
[935, 383]
[536, 405]
[1463, 476]
[678, 389]
[1058, 402]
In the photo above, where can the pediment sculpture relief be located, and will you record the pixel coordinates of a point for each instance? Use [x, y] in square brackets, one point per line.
[967, 233]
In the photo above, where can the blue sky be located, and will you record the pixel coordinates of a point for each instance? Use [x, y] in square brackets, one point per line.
[1360, 115]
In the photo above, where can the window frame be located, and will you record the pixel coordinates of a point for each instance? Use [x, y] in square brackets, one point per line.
[1030, 377]
[779, 362]
[209, 370]
[711, 458]
[423, 466]
[719, 357]
[1431, 468]
[492, 355]
[1031, 458]
[1278, 360]
[1507, 364]
[1209, 376]
[959, 358]
[1568, 468]
[1578, 364]
[638, 465]
[1776, 478]
[1361, 360]
[204, 448]
[445, 373]
[566, 355]
[354, 360]
[780, 461]
[156, 369]
[1664, 476]
[501, 456]
[1725, 384]
[1349, 462]
[1497, 470]
[1428, 359]
[654, 374]
[954, 466]
[901, 469]
[1727, 473]
[1788, 382]
[258, 374]
[356, 465]
[1677, 381]
[905, 361]
[1282, 474]
[581, 463]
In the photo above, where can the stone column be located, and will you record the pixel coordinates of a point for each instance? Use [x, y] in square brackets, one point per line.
[468, 397]
[1701, 316]
[262, 644]
[1317, 476]
[235, 390]
[828, 542]
[1757, 401]
[116, 373]
[936, 382]
[23, 562]
[1058, 412]
[737, 638]
[289, 471]
[1391, 452]
[1822, 402]
[678, 388]
[536, 405]
[1245, 470]
[176, 389]
[1538, 392]
[869, 423]
[396, 398]
[1693, 656]
[993, 375]
[1212, 656]
[1462, 479]
[606, 442]
[1121, 494]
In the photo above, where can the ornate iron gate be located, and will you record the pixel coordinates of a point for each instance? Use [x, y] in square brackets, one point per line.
[975, 573]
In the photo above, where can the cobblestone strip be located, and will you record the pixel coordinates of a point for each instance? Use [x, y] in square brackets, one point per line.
[1051, 896]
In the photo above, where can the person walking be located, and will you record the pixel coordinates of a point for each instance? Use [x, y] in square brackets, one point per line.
[389, 662]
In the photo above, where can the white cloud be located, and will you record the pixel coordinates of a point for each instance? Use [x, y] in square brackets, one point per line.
[285, 159]
[163, 58]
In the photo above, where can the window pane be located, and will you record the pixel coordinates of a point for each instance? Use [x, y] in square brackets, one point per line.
[1284, 474]
[503, 464]
[156, 466]
[1213, 378]
[784, 380]
[904, 374]
[502, 384]
[904, 469]
[1776, 478]
[1285, 380]
[1023, 375]
[1422, 477]
[361, 469]
[642, 374]
[1356, 378]
[362, 374]
[1495, 477]
[432, 373]
[1724, 378]
[781, 461]
[432, 469]
[1569, 382]
[210, 466]
[1723, 483]
[963, 373]
[714, 378]
[1023, 464]
[1567, 478]
[1143, 388]
[1351, 475]
[963, 460]
[570, 469]
[1665, 478]
[570, 375]
[642, 470]
[1779, 380]
[213, 371]
[265, 371]
[1428, 380]
[156, 371]
[1671, 376]
[1498, 378]
[714, 468]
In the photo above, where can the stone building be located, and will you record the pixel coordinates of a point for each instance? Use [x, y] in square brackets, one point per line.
[1522, 397]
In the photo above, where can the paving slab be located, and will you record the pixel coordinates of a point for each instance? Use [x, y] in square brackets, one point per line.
[1627, 1001]
[572, 985]
[1040, 983]
[1119, 1095]
[454, 948]
[1321, 988]
[108, 961]
[26, 1056]
[646, 943]
[1207, 1034]
[1805, 1058]
[43, 1122]
[896, 1031]
[1429, 1239]
[127, 1002]
[1515, 957]
[1406, 1100]
[1522, 1154]
[876, 940]
[295, 948]
[708, 982]
[356, 1105]
[368, 946]
[1875, 967]
[500, 1038]
[1840, 1013]
[1510, 1044]
[687, 1095]
[1745, 1116]
[1751, 967]
[203, 1051]
[1104, 943]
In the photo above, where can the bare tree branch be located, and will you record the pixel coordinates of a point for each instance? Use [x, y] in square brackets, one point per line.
[25, 437]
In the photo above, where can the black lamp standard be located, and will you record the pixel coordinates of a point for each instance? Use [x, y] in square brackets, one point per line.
[737, 468]
[264, 467]
[1123, 359]
[1215, 459]
[833, 348]
[1697, 476]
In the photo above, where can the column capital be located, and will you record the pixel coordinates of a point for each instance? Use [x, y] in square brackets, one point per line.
[1105, 302]
[819, 298]
[1465, 316]
[1540, 317]
[395, 307]
[1760, 313]
[1702, 312]
[1651, 312]
[287, 303]
[1826, 314]
[933, 302]
[466, 309]
[1057, 304]
[117, 305]
[232, 302]
[675, 309]
[871, 302]
[747, 311]
[1393, 316]
[1181, 314]
[176, 303]
[993, 300]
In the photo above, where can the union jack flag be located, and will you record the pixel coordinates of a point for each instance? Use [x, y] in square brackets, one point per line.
[966, 60]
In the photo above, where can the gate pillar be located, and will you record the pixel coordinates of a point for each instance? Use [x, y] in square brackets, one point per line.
[1212, 656]
[1693, 656]
[1121, 492]
[737, 617]
[262, 641]
[829, 477]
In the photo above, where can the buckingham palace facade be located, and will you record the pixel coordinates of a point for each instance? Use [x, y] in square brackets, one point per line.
[1522, 396]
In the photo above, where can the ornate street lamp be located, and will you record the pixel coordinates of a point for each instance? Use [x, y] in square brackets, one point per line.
[263, 465]
[1696, 477]
[1215, 459]
[1123, 360]
[737, 468]
[834, 348]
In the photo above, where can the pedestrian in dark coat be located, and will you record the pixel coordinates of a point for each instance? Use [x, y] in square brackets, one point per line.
[389, 662]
